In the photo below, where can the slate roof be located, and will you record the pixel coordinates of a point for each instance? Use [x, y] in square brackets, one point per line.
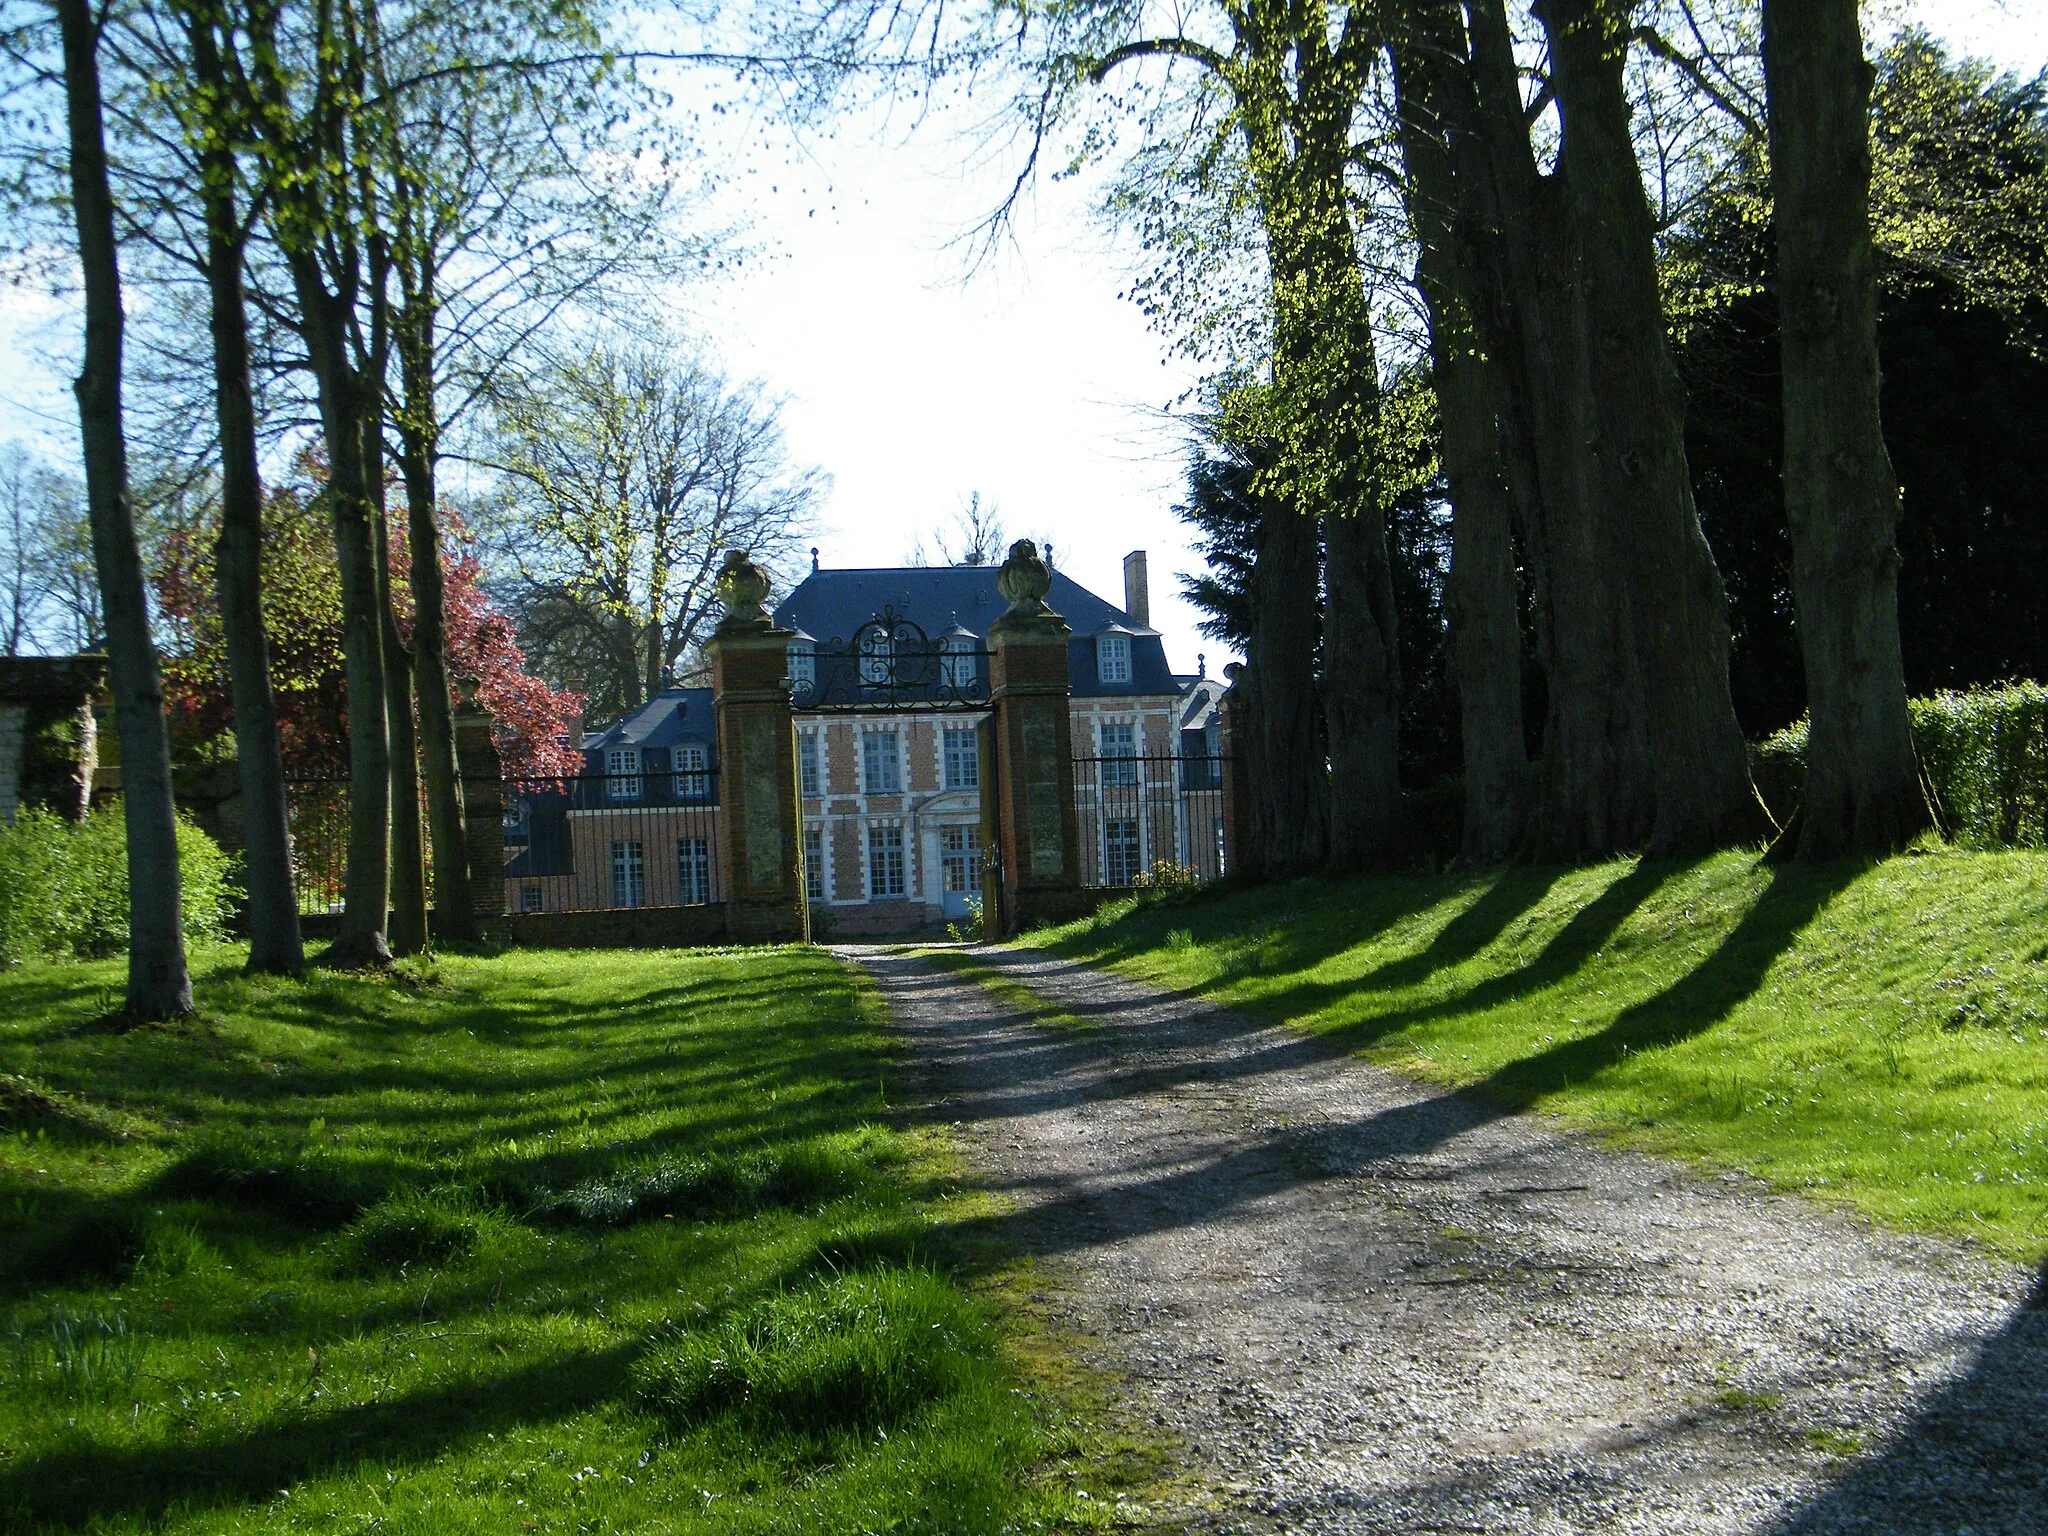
[832, 604]
[673, 715]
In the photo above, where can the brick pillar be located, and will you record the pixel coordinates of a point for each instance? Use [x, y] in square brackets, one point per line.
[483, 805]
[1040, 848]
[761, 817]
[1237, 804]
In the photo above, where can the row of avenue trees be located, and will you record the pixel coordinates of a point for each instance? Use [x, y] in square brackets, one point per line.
[1503, 177]
[356, 221]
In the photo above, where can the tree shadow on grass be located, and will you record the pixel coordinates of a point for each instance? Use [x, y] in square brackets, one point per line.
[1577, 942]
[1695, 1002]
[87, 1486]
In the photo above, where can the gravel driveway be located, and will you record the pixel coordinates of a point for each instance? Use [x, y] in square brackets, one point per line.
[1361, 1304]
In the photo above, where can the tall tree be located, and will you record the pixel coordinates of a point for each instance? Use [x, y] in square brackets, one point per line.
[1863, 791]
[215, 129]
[159, 986]
[1698, 771]
[313, 143]
[1482, 597]
[1293, 76]
[625, 475]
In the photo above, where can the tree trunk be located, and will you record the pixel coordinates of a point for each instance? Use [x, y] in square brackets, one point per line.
[159, 985]
[274, 940]
[1699, 766]
[361, 940]
[1326, 405]
[445, 820]
[1863, 791]
[408, 852]
[1361, 691]
[1481, 595]
[1284, 767]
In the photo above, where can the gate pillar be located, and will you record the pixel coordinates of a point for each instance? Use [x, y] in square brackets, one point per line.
[1039, 851]
[761, 837]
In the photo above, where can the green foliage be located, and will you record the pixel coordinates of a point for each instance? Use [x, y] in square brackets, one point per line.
[1873, 1033]
[1960, 217]
[1983, 752]
[382, 1255]
[859, 1351]
[64, 885]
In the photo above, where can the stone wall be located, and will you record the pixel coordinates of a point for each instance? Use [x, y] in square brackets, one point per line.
[49, 744]
[624, 928]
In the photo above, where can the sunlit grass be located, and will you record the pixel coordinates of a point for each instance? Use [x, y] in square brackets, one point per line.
[1873, 1033]
[419, 1254]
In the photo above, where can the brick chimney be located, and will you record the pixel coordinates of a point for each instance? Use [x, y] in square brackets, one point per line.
[1137, 590]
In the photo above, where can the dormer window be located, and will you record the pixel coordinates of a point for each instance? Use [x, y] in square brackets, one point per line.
[622, 773]
[693, 779]
[803, 663]
[956, 661]
[1113, 658]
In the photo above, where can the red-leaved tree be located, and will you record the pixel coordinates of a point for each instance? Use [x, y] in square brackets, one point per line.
[536, 726]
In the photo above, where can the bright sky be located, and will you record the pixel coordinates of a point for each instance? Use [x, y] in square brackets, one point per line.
[1031, 382]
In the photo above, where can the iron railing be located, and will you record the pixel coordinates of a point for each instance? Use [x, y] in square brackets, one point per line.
[587, 843]
[603, 842]
[890, 663]
[1145, 819]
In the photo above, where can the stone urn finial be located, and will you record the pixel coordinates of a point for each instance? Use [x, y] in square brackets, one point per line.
[468, 693]
[743, 587]
[1024, 580]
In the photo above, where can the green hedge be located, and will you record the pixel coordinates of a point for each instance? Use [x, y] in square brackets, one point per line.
[64, 885]
[1985, 755]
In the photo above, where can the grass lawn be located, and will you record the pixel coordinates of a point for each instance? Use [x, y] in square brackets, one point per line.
[1871, 1033]
[540, 1242]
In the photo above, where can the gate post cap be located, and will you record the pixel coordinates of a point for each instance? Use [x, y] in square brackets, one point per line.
[743, 587]
[1025, 579]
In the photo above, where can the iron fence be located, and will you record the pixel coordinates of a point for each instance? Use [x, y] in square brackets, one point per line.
[1148, 819]
[319, 822]
[587, 843]
[603, 842]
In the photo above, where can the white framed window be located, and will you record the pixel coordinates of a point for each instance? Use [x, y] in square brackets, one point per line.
[1121, 856]
[885, 861]
[881, 763]
[956, 661]
[693, 870]
[1113, 658]
[629, 874]
[810, 763]
[693, 771]
[1216, 834]
[622, 773]
[814, 864]
[803, 663]
[960, 857]
[962, 751]
[1116, 744]
[532, 899]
